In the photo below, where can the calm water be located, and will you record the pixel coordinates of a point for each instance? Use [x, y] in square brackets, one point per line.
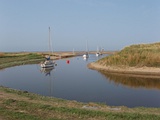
[74, 81]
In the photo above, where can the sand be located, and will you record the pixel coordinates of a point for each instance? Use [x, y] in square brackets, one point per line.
[139, 71]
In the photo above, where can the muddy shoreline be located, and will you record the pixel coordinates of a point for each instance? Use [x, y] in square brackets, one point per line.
[151, 72]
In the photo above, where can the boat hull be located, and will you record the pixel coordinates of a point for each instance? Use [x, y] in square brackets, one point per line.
[85, 56]
[98, 54]
[47, 64]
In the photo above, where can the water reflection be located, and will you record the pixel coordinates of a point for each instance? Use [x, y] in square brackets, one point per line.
[49, 79]
[132, 81]
[85, 59]
[47, 71]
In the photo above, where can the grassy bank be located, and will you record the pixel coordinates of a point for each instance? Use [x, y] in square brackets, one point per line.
[27, 106]
[135, 56]
[21, 58]
[13, 59]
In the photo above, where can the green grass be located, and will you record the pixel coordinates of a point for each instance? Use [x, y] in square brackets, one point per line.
[28, 106]
[13, 59]
[25, 110]
[135, 55]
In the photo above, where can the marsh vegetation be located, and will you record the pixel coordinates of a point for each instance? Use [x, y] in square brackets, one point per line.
[135, 56]
[13, 59]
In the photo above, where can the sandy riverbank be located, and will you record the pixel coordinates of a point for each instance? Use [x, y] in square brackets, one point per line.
[132, 71]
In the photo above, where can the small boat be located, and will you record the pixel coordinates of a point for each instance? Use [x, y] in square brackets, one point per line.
[86, 55]
[48, 62]
[98, 53]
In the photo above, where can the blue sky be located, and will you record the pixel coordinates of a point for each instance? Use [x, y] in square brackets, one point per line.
[111, 24]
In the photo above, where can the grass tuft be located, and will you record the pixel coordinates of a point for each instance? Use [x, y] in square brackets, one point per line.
[135, 55]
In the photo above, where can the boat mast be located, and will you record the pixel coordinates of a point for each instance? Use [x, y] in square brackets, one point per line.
[87, 46]
[50, 49]
[97, 49]
[51, 45]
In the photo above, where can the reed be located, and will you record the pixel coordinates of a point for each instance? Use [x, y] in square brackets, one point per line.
[135, 55]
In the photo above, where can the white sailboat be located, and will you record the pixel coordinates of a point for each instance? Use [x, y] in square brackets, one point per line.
[98, 52]
[48, 62]
[86, 55]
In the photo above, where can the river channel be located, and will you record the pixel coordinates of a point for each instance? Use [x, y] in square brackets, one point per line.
[72, 80]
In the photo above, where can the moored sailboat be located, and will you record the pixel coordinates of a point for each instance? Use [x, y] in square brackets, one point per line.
[48, 62]
[98, 53]
[86, 55]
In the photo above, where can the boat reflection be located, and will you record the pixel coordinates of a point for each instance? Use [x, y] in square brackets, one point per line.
[47, 71]
[49, 79]
[85, 59]
[132, 81]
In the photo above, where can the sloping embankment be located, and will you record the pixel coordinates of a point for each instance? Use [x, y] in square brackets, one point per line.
[142, 71]
[142, 59]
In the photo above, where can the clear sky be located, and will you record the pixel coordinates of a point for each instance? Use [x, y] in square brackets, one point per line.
[111, 24]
